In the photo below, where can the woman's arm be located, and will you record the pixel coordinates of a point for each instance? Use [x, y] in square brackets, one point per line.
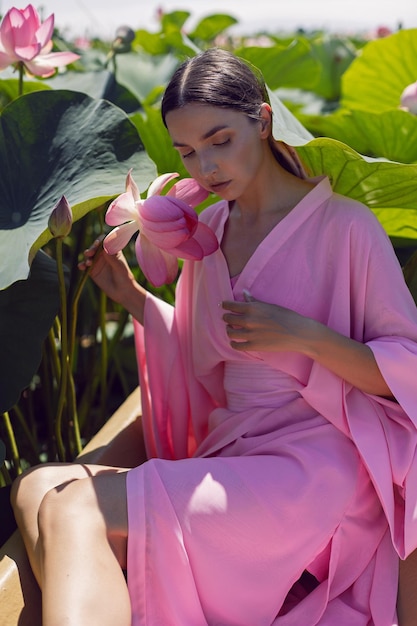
[255, 325]
[112, 274]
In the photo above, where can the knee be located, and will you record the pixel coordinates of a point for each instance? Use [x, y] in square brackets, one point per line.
[64, 509]
[53, 513]
[29, 488]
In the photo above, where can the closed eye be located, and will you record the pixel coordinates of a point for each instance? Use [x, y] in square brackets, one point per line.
[221, 143]
[188, 154]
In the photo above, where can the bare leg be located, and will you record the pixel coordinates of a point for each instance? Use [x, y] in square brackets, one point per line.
[29, 490]
[407, 591]
[82, 549]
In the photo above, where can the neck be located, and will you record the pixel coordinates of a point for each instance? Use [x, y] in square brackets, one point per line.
[275, 191]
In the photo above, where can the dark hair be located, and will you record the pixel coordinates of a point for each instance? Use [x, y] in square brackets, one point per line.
[216, 77]
[219, 78]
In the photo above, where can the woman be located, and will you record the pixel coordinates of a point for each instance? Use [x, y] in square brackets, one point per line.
[278, 405]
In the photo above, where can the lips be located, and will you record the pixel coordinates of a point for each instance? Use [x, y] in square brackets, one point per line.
[219, 187]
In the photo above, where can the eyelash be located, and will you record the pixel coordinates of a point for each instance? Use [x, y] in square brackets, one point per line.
[222, 143]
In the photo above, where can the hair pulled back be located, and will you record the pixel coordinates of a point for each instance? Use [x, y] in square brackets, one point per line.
[218, 78]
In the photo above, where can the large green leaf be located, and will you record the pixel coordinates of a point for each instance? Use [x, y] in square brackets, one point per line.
[55, 143]
[9, 89]
[157, 141]
[389, 189]
[285, 66]
[174, 20]
[335, 55]
[391, 134]
[211, 26]
[140, 73]
[91, 83]
[170, 40]
[377, 77]
[27, 310]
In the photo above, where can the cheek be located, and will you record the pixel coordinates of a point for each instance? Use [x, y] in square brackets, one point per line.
[248, 160]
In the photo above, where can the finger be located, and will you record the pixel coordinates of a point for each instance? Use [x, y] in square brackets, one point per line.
[90, 254]
[240, 345]
[232, 305]
[237, 332]
[247, 296]
[233, 319]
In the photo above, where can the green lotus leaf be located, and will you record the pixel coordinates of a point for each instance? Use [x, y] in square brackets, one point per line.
[292, 65]
[174, 20]
[389, 189]
[157, 141]
[55, 143]
[9, 89]
[100, 83]
[376, 79]
[335, 55]
[211, 26]
[140, 73]
[391, 135]
[27, 311]
[91, 83]
[171, 39]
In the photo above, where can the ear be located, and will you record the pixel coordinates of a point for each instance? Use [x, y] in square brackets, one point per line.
[265, 115]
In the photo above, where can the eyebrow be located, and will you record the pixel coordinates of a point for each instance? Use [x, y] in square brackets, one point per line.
[206, 135]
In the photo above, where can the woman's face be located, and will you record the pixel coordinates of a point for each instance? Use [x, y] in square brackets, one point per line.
[221, 148]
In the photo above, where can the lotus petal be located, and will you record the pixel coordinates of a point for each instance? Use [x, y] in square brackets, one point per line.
[45, 31]
[202, 243]
[159, 267]
[206, 238]
[188, 190]
[119, 237]
[189, 249]
[132, 187]
[121, 210]
[165, 209]
[159, 183]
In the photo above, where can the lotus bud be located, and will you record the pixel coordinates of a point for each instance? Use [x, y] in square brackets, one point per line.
[60, 220]
[409, 98]
[125, 34]
[124, 37]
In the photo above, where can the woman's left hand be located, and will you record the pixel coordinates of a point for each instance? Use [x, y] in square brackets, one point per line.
[260, 326]
[256, 325]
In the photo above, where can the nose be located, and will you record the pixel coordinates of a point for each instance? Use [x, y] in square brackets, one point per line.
[207, 165]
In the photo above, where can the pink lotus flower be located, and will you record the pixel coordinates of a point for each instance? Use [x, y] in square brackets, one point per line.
[168, 226]
[25, 39]
[409, 98]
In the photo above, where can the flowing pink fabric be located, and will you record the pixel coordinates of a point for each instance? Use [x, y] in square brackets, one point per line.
[278, 493]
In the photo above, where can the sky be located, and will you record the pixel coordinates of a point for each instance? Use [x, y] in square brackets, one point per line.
[102, 17]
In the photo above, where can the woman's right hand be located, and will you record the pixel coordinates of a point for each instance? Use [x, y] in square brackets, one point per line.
[110, 272]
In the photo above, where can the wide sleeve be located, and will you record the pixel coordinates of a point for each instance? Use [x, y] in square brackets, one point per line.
[175, 404]
[383, 316]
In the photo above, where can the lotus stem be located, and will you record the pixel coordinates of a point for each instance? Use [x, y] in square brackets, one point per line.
[26, 429]
[104, 352]
[12, 442]
[21, 73]
[64, 351]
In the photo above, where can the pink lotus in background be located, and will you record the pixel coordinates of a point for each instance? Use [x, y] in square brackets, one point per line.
[24, 39]
[168, 226]
[409, 98]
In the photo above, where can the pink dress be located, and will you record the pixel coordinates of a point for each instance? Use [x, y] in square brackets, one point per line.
[277, 493]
